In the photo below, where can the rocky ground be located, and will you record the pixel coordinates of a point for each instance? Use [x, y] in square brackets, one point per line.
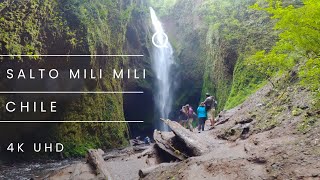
[273, 135]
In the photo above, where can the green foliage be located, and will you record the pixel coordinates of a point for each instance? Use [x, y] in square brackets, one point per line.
[225, 16]
[100, 27]
[22, 26]
[296, 112]
[102, 24]
[224, 26]
[299, 42]
[163, 7]
[270, 63]
[266, 124]
[92, 108]
[234, 33]
[307, 124]
[310, 75]
[299, 26]
[75, 27]
[246, 82]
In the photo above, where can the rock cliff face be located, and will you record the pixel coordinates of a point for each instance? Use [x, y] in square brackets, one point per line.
[72, 27]
[211, 39]
[184, 28]
[140, 106]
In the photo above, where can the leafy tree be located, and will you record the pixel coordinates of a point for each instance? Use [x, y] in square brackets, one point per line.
[299, 41]
[163, 7]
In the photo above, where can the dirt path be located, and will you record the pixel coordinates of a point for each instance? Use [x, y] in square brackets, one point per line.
[266, 137]
[264, 155]
[226, 161]
[260, 139]
[126, 168]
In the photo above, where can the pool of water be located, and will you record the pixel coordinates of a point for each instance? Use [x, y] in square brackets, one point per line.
[26, 171]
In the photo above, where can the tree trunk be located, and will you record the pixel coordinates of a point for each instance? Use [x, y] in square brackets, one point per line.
[164, 141]
[144, 172]
[140, 148]
[148, 152]
[76, 172]
[193, 142]
[96, 160]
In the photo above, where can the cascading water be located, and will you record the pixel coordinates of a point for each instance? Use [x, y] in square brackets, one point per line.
[162, 62]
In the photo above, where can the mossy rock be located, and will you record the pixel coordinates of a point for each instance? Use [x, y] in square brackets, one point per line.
[307, 124]
[73, 27]
[296, 112]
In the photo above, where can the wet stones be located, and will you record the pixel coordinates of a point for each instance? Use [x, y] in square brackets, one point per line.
[257, 160]
[240, 130]
[244, 121]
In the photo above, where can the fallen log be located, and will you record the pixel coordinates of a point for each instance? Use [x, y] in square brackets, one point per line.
[96, 160]
[107, 157]
[76, 171]
[140, 148]
[163, 140]
[118, 153]
[221, 121]
[136, 142]
[152, 161]
[144, 172]
[147, 152]
[193, 142]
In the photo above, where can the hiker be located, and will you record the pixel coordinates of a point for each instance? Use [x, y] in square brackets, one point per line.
[147, 140]
[191, 114]
[210, 104]
[202, 116]
[183, 117]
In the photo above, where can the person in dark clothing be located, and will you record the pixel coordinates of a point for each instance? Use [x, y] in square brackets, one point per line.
[147, 140]
[202, 116]
[210, 104]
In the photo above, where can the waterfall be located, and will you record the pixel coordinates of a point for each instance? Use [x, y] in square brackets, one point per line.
[162, 61]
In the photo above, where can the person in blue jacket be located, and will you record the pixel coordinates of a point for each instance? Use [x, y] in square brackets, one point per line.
[202, 116]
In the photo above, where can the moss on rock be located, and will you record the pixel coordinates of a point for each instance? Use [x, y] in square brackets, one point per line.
[73, 27]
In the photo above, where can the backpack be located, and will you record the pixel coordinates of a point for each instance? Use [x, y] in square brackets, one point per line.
[215, 103]
[190, 112]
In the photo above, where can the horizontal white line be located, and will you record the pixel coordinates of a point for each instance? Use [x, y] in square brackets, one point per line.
[75, 55]
[71, 92]
[71, 121]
